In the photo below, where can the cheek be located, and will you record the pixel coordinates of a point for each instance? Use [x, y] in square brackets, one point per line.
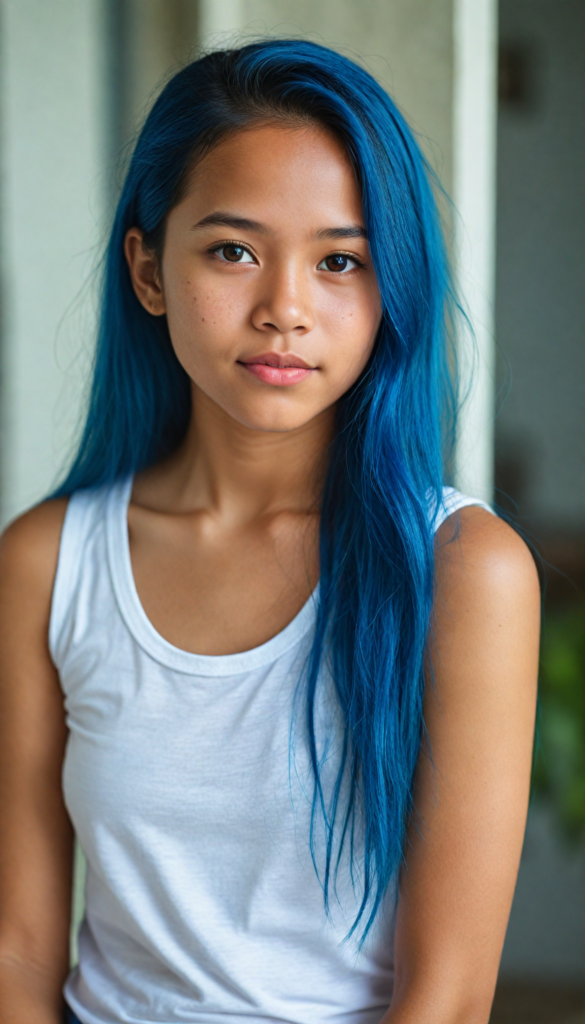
[201, 319]
[351, 324]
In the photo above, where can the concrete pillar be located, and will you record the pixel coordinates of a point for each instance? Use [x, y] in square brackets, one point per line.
[152, 39]
[52, 145]
[218, 19]
[474, 194]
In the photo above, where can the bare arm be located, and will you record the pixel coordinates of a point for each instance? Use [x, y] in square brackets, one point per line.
[35, 833]
[463, 858]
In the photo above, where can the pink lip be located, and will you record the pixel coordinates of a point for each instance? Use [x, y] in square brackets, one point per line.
[273, 368]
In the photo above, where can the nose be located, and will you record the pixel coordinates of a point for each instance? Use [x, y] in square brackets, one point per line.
[285, 304]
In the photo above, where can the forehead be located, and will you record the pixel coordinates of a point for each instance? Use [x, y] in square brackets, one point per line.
[278, 175]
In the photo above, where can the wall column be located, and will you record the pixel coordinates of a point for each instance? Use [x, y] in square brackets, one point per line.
[52, 145]
[474, 195]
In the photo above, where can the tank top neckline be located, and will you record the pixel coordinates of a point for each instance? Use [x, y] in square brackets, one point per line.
[151, 640]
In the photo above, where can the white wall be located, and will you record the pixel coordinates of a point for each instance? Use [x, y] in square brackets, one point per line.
[52, 145]
[474, 195]
[156, 37]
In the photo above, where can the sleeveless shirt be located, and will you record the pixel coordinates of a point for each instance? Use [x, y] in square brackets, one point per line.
[190, 793]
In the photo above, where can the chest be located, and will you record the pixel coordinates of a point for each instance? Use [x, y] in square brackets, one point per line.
[221, 591]
[214, 772]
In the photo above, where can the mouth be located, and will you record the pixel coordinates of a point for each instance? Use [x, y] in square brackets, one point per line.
[274, 368]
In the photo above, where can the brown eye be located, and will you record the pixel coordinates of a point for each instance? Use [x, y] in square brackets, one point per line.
[338, 263]
[233, 253]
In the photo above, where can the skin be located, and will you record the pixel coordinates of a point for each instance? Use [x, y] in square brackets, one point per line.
[232, 516]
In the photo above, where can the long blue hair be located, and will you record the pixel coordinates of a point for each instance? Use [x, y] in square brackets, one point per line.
[385, 466]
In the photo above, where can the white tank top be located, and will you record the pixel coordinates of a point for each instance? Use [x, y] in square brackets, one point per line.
[202, 901]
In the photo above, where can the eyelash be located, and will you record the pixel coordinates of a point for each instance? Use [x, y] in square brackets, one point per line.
[338, 252]
[229, 241]
[359, 264]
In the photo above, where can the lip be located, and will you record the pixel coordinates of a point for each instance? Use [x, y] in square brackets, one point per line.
[274, 368]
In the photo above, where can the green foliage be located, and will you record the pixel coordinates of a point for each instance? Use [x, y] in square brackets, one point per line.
[560, 762]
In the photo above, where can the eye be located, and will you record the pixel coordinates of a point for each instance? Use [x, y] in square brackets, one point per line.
[339, 263]
[230, 252]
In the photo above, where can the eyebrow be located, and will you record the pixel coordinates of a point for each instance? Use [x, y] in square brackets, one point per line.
[349, 231]
[231, 220]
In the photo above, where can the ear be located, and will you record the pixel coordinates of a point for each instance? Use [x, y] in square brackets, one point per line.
[144, 272]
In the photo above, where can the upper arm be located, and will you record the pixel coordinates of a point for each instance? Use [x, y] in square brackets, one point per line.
[35, 834]
[472, 785]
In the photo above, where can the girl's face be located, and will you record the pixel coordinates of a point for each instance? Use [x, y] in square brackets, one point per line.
[266, 279]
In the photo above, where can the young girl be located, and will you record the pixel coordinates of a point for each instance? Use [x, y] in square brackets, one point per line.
[289, 678]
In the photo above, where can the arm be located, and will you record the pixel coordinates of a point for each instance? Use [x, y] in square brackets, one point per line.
[471, 801]
[35, 834]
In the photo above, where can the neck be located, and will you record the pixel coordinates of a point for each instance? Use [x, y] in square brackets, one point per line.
[240, 473]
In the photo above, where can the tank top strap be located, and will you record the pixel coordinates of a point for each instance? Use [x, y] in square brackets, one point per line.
[85, 516]
[452, 501]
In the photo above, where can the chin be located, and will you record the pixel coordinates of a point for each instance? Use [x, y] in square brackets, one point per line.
[274, 420]
[276, 424]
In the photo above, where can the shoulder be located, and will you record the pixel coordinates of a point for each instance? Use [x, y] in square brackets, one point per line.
[29, 550]
[475, 549]
[486, 620]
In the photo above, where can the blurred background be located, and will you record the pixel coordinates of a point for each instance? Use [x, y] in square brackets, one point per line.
[496, 94]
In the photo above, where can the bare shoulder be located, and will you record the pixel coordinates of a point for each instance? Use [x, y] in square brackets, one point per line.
[486, 622]
[29, 549]
[478, 553]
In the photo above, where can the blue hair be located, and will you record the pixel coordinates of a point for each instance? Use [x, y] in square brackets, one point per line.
[385, 468]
